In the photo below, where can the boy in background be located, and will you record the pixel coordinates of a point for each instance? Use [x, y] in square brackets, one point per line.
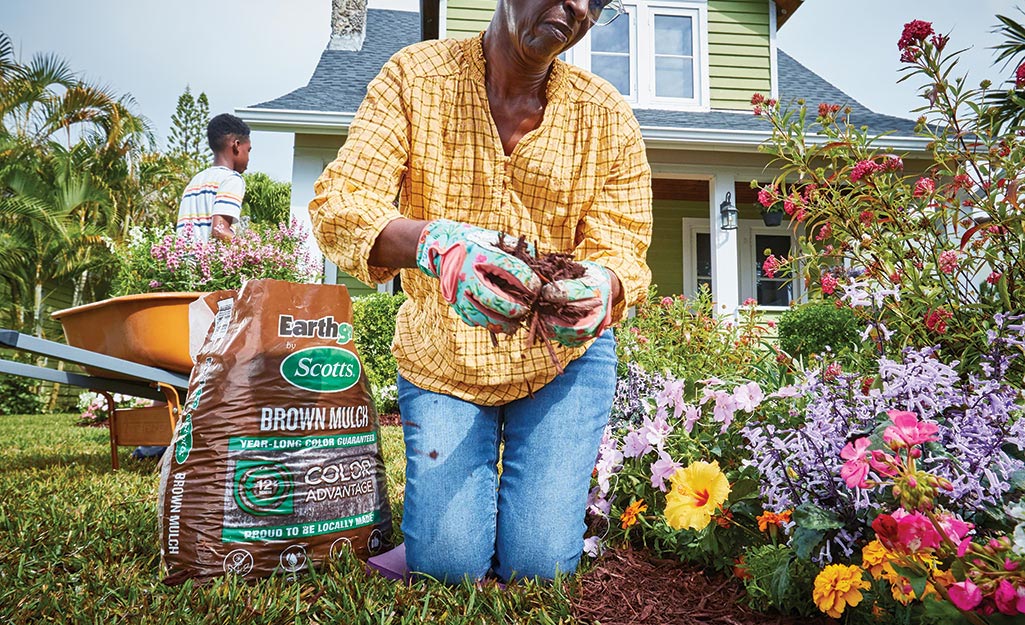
[212, 201]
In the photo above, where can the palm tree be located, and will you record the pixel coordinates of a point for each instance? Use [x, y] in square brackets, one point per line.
[1008, 106]
[71, 155]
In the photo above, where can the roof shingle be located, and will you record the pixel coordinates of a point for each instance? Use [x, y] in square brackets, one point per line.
[340, 81]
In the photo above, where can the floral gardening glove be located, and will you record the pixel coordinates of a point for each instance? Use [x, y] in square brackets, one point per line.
[485, 286]
[576, 310]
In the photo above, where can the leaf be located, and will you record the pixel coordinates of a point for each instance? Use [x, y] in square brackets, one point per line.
[968, 235]
[744, 488]
[780, 583]
[813, 517]
[914, 577]
[804, 541]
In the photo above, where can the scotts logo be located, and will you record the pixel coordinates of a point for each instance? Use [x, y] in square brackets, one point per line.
[321, 369]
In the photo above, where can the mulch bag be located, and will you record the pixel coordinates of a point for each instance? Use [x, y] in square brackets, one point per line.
[276, 459]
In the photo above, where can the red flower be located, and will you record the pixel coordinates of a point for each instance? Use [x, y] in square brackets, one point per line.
[1019, 77]
[924, 186]
[767, 196]
[994, 277]
[866, 217]
[914, 34]
[757, 99]
[936, 320]
[829, 283]
[948, 261]
[885, 527]
[862, 169]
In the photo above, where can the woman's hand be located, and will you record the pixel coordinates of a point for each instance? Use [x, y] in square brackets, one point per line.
[485, 286]
[586, 300]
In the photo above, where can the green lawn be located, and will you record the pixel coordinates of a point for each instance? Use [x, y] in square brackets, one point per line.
[78, 544]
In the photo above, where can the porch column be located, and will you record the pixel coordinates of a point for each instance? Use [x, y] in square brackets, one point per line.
[307, 165]
[725, 249]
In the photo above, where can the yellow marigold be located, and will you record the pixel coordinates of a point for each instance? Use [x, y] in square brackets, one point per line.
[876, 559]
[697, 491]
[838, 586]
[767, 518]
[629, 516]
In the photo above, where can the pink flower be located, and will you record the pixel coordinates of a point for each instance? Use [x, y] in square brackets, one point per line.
[965, 595]
[748, 396]
[994, 277]
[924, 186]
[667, 301]
[916, 532]
[824, 232]
[770, 266]
[1006, 598]
[767, 196]
[662, 469]
[691, 414]
[883, 463]
[948, 261]
[914, 34]
[862, 169]
[907, 430]
[832, 371]
[955, 529]
[757, 99]
[855, 470]
[635, 445]
[725, 406]
[1019, 77]
[829, 283]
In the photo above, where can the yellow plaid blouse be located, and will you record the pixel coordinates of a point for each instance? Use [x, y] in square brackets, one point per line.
[578, 183]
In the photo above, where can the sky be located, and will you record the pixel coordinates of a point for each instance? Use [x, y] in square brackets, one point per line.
[243, 52]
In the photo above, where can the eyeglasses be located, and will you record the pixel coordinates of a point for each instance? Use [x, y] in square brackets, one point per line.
[602, 12]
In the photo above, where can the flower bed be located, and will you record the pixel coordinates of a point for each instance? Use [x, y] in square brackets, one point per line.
[878, 481]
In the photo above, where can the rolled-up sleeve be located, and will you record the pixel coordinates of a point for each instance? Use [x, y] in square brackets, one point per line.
[355, 194]
[616, 231]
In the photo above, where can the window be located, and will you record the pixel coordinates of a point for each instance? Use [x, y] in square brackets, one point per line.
[612, 51]
[655, 54]
[674, 56]
[754, 239]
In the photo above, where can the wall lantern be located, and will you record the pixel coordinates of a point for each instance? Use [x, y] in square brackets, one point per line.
[728, 213]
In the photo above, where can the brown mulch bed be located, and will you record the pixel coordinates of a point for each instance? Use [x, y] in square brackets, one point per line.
[630, 587]
[392, 418]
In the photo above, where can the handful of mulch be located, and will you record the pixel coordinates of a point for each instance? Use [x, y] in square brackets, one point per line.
[549, 268]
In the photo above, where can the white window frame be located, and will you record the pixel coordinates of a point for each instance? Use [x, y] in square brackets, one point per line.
[748, 230]
[580, 54]
[692, 227]
[642, 54]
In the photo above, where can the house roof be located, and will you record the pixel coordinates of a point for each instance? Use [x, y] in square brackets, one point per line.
[339, 83]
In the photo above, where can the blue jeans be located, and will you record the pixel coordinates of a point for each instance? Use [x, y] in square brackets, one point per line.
[460, 518]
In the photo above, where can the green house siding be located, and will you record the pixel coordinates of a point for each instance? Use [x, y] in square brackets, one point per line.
[466, 18]
[738, 45]
[738, 52]
[665, 256]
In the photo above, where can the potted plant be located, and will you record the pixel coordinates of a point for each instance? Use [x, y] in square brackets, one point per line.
[160, 273]
[771, 204]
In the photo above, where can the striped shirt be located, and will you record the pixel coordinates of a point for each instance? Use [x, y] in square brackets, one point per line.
[578, 183]
[216, 190]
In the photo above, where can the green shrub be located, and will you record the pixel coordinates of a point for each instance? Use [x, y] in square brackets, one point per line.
[683, 337]
[19, 396]
[810, 328]
[373, 318]
[779, 580]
